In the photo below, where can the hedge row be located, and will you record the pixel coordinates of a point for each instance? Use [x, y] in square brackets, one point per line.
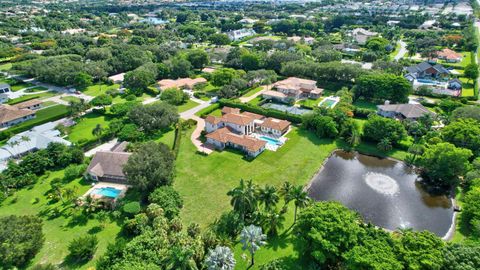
[259, 110]
[204, 112]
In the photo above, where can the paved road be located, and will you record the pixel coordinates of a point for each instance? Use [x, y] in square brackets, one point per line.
[402, 52]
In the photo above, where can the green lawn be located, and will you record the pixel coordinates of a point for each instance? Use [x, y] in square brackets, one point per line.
[203, 182]
[187, 106]
[395, 52]
[98, 89]
[59, 230]
[6, 66]
[120, 99]
[70, 98]
[20, 86]
[466, 60]
[83, 129]
[312, 103]
[168, 138]
[48, 103]
[255, 101]
[467, 87]
[365, 105]
[253, 91]
[32, 96]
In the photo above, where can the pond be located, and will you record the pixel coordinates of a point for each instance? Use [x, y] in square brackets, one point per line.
[385, 192]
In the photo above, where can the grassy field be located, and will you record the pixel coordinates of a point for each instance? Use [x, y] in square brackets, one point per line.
[83, 129]
[255, 101]
[253, 91]
[121, 99]
[203, 182]
[168, 138]
[32, 96]
[466, 60]
[20, 86]
[467, 87]
[187, 106]
[365, 105]
[59, 230]
[6, 66]
[310, 102]
[98, 89]
[70, 98]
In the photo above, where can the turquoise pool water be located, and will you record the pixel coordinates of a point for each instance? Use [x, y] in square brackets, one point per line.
[270, 140]
[329, 103]
[107, 192]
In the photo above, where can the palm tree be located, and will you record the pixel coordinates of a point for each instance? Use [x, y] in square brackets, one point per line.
[181, 258]
[285, 190]
[252, 239]
[70, 193]
[300, 199]
[243, 198]
[273, 221]
[220, 258]
[268, 197]
[97, 131]
[384, 145]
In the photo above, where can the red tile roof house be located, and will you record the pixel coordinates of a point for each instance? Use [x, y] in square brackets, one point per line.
[449, 55]
[295, 88]
[184, 83]
[233, 129]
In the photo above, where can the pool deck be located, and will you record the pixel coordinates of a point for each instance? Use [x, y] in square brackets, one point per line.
[97, 185]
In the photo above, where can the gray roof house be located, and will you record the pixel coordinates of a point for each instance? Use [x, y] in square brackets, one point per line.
[425, 69]
[107, 166]
[403, 111]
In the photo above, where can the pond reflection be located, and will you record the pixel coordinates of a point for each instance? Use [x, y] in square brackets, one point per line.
[384, 191]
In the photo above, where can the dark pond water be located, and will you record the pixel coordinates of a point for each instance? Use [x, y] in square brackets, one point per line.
[385, 192]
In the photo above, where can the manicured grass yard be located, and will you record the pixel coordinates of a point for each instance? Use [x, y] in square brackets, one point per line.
[253, 91]
[6, 66]
[20, 86]
[365, 105]
[168, 137]
[203, 182]
[70, 98]
[32, 96]
[98, 89]
[467, 87]
[187, 106]
[312, 103]
[83, 129]
[255, 101]
[59, 230]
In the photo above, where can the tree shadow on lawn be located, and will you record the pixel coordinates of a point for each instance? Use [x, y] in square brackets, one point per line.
[312, 137]
[280, 241]
[72, 263]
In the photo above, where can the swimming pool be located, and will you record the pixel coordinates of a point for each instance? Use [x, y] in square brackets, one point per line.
[107, 192]
[270, 140]
[329, 102]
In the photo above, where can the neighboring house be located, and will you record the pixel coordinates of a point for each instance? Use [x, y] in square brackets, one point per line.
[235, 129]
[35, 139]
[293, 88]
[449, 55]
[4, 98]
[33, 104]
[275, 126]
[306, 40]
[107, 166]
[4, 88]
[12, 115]
[361, 35]
[236, 35]
[184, 83]
[455, 84]
[428, 24]
[403, 111]
[118, 78]
[426, 70]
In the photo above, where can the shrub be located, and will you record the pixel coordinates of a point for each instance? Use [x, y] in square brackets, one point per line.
[131, 208]
[73, 171]
[83, 248]
[168, 199]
